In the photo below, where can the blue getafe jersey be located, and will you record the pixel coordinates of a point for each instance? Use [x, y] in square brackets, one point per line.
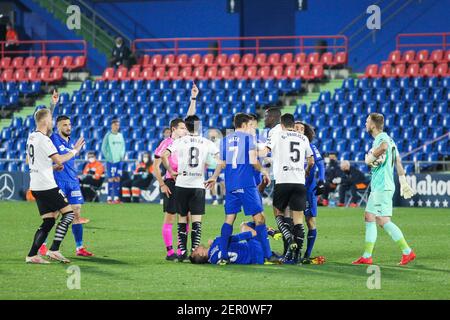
[69, 173]
[318, 165]
[234, 150]
[238, 252]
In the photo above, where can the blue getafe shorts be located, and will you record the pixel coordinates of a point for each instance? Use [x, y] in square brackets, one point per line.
[114, 170]
[311, 207]
[248, 198]
[72, 191]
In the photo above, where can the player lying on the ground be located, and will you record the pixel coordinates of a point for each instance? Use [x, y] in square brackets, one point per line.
[243, 248]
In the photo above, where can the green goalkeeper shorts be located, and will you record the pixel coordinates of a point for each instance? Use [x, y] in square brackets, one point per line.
[380, 203]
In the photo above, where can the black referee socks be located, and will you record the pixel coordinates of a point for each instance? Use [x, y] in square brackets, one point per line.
[40, 235]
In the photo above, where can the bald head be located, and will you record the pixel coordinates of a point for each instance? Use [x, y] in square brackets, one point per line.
[345, 165]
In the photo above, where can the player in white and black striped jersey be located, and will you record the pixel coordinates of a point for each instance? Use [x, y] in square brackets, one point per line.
[290, 150]
[41, 153]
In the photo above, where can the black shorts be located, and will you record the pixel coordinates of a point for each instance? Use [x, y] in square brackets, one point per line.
[50, 200]
[289, 194]
[190, 200]
[170, 204]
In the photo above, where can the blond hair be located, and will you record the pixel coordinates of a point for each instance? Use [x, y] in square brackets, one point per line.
[41, 114]
[378, 120]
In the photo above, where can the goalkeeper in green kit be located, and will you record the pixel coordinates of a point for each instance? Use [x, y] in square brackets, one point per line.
[382, 158]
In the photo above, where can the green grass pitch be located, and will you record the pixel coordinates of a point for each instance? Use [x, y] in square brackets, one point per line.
[129, 261]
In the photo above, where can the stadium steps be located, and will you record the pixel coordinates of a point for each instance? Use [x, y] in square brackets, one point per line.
[45, 100]
[102, 40]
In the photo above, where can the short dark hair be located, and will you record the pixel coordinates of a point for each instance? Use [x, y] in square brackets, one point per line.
[377, 119]
[274, 112]
[253, 116]
[198, 259]
[239, 119]
[115, 120]
[175, 122]
[288, 120]
[309, 132]
[91, 153]
[190, 122]
[62, 118]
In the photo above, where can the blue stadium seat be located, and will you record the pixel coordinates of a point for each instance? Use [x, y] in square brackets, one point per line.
[227, 121]
[377, 83]
[228, 84]
[380, 95]
[391, 83]
[353, 95]
[348, 83]
[163, 84]
[404, 83]
[137, 85]
[250, 107]
[295, 85]
[386, 108]
[363, 83]
[241, 84]
[268, 84]
[236, 107]
[151, 85]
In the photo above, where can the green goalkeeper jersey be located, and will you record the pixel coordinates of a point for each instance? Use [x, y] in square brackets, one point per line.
[113, 147]
[383, 175]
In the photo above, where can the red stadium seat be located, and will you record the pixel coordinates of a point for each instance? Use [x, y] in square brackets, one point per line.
[80, 62]
[394, 57]
[33, 74]
[208, 59]
[157, 60]
[67, 62]
[274, 59]
[199, 73]
[437, 56]
[264, 72]
[399, 70]
[248, 60]
[212, 73]
[222, 60]
[147, 74]
[186, 73]
[146, 60]
[413, 70]
[20, 75]
[409, 56]
[251, 73]
[108, 74]
[55, 62]
[56, 75]
[300, 59]
[17, 62]
[160, 73]
[441, 70]
[238, 73]
[42, 62]
[313, 58]
[277, 72]
[235, 59]
[261, 59]
[422, 56]
[385, 71]
[29, 62]
[287, 58]
[169, 60]
[135, 73]
[172, 73]
[224, 73]
[182, 60]
[8, 75]
[290, 71]
[304, 72]
[447, 56]
[371, 71]
[45, 75]
[195, 60]
[5, 63]
[317, 72]
[427, 70]
[340, 59]
[326, 59]
[122, 74]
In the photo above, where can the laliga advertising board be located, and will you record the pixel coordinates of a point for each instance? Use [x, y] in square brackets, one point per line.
[433, 191]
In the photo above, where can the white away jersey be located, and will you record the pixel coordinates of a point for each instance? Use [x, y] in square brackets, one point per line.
[193, 152]
[289, 152]
[39, 150]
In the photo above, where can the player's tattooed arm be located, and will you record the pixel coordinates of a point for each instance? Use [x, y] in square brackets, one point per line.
[193, 102]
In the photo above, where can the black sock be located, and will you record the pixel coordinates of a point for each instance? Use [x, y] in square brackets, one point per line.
[299, 235]
[284, 229]
[61, 230]
[196, 234]
[40, 235]
[290, 223]
[182, 237]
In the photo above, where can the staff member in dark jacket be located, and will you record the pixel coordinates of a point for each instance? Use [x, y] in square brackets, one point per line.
[121, 55]
[352, 179]
[332, 172]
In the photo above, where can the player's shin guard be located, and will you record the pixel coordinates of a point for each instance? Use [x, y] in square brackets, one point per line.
[77, 230]
[196, 235]
[61, 230]
[311, 239]
[397, 235]
[299, 236]
[225, 234]
[262, 236]
[167, 237]
[41, 235]
[182, 238]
